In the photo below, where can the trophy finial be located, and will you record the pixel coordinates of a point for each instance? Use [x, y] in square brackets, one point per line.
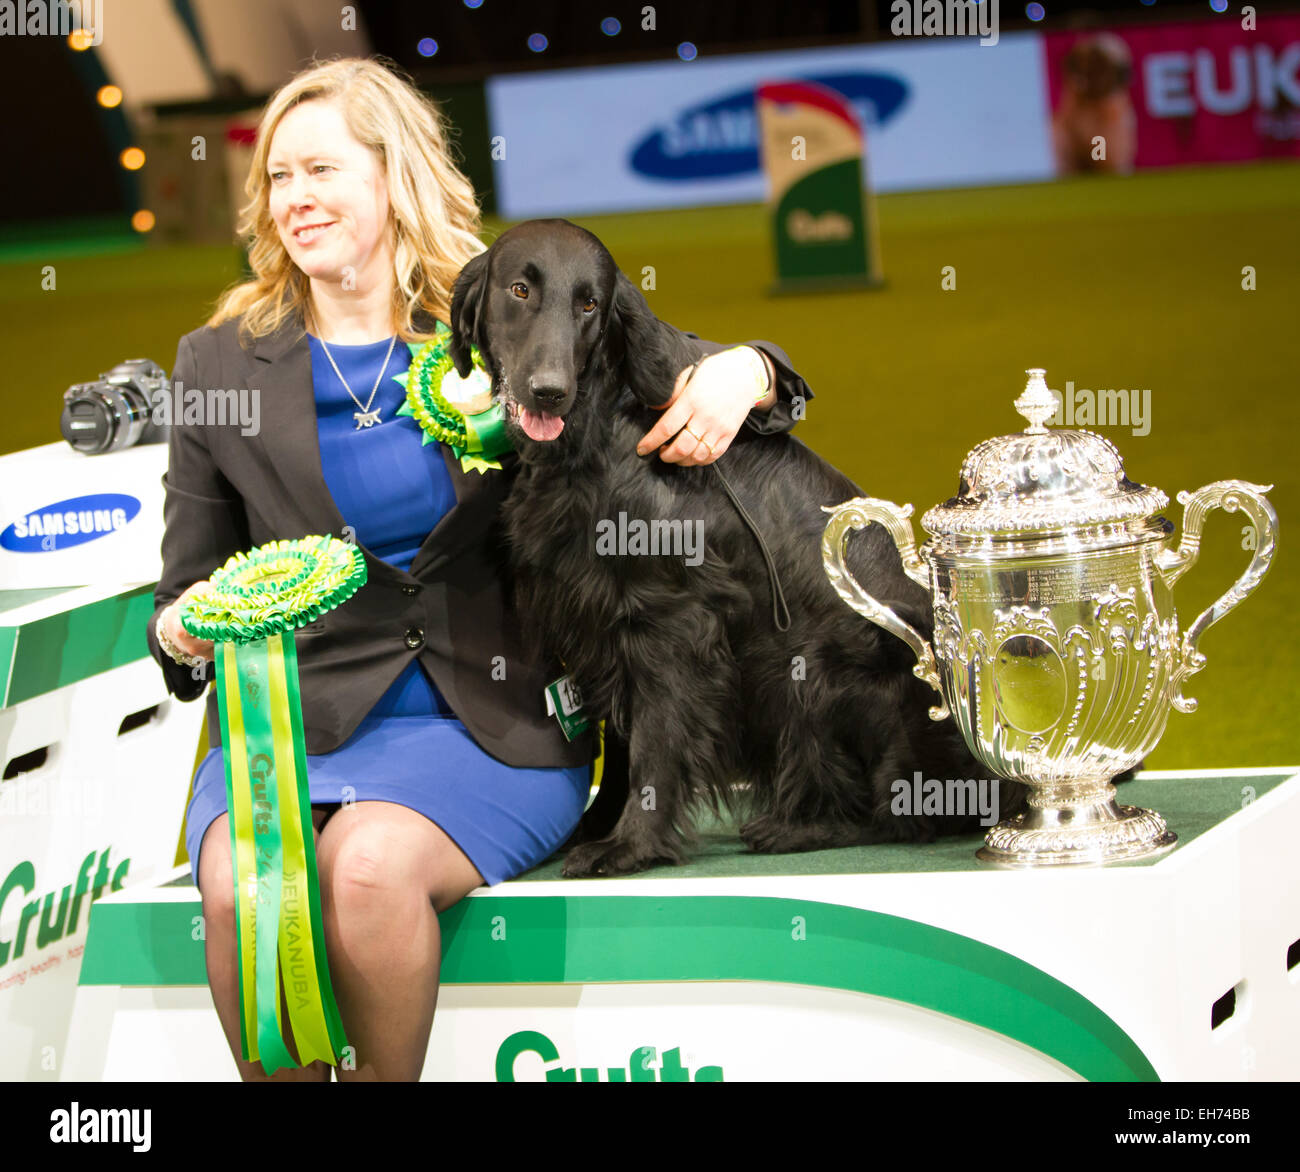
[1036, 402]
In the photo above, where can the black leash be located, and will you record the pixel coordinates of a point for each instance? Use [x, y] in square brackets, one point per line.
[778, 596]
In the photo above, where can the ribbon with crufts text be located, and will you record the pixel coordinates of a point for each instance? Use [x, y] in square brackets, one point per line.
[250, 612]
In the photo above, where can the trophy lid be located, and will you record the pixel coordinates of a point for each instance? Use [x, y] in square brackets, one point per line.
[1041, 480]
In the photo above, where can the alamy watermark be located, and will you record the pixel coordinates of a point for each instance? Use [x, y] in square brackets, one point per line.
[1123, 407]
[939, 798]
[216, 407]
[102, 1125]
[53, 18]
[945, 18]
[638, 538]
[26, 796]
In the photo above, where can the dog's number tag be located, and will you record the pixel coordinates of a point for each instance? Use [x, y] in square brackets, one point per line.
[564, 702]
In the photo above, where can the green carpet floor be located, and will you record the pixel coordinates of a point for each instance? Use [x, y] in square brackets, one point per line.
[1110, 283]
[1190, 807]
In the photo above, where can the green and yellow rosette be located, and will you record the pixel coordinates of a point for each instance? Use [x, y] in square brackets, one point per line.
[454, 410]
[256, 601]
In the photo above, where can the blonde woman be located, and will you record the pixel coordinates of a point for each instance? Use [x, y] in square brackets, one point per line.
[431, 771]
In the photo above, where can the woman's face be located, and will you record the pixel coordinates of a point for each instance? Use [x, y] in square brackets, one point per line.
[328, 197]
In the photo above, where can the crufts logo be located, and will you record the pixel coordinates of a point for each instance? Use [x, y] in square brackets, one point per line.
[103, 1125]
[640, 1066]
[52, 926]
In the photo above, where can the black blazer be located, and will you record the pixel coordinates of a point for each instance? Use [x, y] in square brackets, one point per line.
[227, 492]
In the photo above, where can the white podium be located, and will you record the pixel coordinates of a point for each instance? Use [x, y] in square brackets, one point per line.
[95, 755]
[897, 962]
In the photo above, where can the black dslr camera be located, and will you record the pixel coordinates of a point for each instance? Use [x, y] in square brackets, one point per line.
[115, 411]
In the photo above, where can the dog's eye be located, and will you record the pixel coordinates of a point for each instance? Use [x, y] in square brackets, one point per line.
[520, 290]
[589, 306]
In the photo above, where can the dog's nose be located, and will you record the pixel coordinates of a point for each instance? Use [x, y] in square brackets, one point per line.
[548, 396]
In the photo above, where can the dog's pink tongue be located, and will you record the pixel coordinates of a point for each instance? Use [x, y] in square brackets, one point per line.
[540, 425]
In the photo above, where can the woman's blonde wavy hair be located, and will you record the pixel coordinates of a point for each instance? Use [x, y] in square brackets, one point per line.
[433, 219]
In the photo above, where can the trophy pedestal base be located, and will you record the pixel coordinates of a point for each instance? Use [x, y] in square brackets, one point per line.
[1077, 836]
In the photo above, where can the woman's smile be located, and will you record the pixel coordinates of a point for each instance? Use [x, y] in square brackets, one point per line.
[307, 233]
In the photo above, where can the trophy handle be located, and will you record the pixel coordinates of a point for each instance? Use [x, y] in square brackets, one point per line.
[1229, 495]
[857, 514]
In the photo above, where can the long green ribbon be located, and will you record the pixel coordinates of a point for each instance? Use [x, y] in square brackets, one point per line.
[302, 939]
[277, 896]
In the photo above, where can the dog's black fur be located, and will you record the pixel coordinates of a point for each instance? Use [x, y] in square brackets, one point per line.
[685, 662]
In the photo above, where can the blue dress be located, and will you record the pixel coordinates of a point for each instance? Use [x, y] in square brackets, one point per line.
[410, 748]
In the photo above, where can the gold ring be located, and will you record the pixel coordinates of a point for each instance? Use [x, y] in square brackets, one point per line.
[699, 439]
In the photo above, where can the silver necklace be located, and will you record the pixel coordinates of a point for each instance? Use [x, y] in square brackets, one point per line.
[364, 417]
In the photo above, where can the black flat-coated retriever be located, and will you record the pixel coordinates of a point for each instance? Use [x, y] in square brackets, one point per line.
[806, 730]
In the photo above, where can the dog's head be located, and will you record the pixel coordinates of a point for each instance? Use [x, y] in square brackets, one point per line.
[555, 320]
[1097, 66]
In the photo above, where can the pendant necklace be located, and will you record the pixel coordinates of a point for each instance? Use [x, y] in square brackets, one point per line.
[364, 416]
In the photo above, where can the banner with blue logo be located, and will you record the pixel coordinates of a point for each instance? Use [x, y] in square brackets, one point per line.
[65, 523]
[67, 519]
[937, 113]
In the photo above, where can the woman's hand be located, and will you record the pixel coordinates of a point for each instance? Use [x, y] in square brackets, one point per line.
[181, 639]
[708, 406]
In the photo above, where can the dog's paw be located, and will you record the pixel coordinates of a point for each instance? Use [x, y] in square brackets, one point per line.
[763, 834]
[610, 857]
[770, 836]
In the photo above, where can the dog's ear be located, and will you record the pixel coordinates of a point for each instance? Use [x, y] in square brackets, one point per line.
[467, 311]
[652, 353]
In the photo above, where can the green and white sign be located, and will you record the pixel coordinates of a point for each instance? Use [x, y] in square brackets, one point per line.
[823, 220]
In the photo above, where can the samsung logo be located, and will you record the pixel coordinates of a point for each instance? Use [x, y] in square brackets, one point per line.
[719, 139]
[71, 522]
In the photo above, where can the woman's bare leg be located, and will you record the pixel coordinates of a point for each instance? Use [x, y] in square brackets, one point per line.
[386, 873]
[216, 886]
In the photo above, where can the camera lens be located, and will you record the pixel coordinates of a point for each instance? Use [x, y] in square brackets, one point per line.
[111, 414]
[103, 418]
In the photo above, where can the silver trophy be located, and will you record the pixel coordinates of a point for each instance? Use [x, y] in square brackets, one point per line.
[1056, 644]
